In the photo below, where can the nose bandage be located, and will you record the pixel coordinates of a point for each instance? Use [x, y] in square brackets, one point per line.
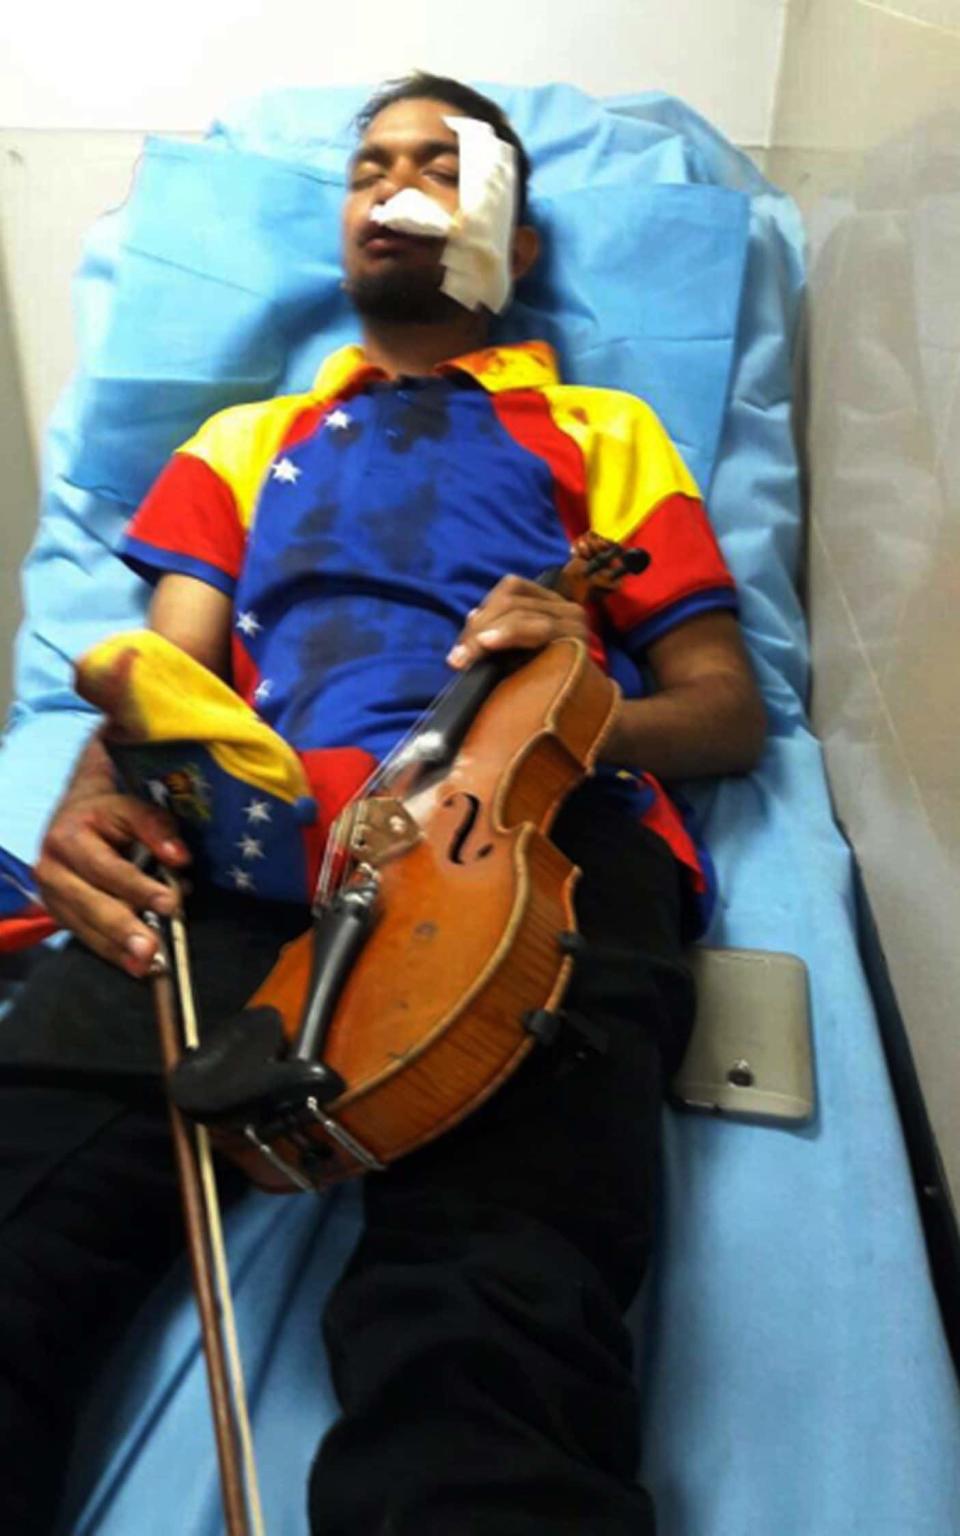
[412, 212]
[476, 257]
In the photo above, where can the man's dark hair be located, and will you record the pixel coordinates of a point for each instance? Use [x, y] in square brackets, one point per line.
[423, 87]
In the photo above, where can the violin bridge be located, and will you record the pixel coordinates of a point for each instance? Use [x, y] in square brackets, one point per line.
[376, 830]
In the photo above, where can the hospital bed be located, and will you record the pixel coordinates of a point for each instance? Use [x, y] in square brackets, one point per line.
[795, 1375]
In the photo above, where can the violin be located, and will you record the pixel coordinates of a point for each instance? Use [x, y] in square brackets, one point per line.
[443, 935]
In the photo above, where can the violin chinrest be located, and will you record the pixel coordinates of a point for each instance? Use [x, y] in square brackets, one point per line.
[240, 1072]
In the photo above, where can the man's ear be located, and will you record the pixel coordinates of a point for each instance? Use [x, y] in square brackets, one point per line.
[526, 251]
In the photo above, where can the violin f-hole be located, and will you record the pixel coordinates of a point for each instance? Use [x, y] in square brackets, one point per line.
[457, 853]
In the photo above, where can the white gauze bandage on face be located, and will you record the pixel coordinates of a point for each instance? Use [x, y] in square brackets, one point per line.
[412, 212]
[476, 257]
[478, 251]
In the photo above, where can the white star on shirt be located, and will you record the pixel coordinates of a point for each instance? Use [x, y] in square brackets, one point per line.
[241, 879]
[158, 791]
[338, 420]
[248, 623]
[262, 691]
[286, 471]
[257, 810]
[250, 847]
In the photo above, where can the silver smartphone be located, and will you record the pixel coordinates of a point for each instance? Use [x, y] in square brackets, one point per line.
[750, 1055]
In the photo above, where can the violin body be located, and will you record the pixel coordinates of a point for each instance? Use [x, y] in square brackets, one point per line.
[473, 906]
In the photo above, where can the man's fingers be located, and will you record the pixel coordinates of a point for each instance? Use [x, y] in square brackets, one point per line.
[108, 871]
[96, 892]
[117, 820]
[105, 925]
[135, 821]
[530, 626]
[509, 593]
[84, 846]
[525, 624]
[514, 592]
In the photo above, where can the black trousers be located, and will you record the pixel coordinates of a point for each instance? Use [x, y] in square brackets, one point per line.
[476, 1338]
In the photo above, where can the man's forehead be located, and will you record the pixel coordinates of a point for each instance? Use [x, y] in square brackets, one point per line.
[406, 123]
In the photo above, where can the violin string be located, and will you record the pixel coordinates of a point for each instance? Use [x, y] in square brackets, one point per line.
[218, 1249]
[324, 889]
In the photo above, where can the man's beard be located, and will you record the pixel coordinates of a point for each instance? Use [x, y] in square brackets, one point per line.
[402, 298]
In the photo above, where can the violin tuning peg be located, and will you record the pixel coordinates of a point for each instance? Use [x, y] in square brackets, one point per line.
[636, 560]
[572, 944]
[543, 1025]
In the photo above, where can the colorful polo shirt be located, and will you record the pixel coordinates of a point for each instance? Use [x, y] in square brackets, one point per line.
[355, 526]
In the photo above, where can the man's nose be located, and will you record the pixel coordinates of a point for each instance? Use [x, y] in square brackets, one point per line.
[403, 173]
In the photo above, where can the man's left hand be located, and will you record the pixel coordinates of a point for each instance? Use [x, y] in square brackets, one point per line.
[517, 615]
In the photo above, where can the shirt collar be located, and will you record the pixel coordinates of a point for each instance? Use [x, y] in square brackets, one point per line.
[529, 365]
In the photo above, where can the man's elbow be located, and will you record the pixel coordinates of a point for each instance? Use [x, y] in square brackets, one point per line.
[748, 733]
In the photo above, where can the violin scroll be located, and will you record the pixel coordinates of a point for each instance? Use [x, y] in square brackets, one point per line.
[597, 566]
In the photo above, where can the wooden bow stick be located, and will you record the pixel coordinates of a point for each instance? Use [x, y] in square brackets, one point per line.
[177, 1025]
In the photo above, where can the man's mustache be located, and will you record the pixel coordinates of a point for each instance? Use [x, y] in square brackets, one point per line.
[373, 231]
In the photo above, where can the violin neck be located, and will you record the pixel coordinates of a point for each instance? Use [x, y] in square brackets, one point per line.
[442, 733]
[452, 716]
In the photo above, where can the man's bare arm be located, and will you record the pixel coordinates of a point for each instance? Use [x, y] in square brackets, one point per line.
[85, 880]
[707, 716]
[196, 617]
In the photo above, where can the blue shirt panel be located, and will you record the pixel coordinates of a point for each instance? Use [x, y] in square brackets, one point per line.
[372, 540]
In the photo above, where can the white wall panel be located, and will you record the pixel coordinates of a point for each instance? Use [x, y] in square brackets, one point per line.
[868, 135]
[104, 64]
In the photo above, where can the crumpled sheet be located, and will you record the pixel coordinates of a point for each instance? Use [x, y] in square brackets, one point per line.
[795, 1374]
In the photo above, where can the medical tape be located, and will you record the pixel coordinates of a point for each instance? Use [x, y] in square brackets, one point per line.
[479, 236]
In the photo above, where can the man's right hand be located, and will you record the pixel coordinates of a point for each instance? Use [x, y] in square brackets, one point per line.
[85, 880]
[88, 884]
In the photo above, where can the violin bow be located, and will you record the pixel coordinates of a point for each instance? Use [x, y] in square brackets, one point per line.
[176, 1018]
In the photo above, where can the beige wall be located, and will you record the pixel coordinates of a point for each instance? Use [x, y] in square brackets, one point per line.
[52, 188]
[120, 66]
[18, 498]
[867, 135]
[54, 185]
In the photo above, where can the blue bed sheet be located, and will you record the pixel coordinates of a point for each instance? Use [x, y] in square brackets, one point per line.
[795, 1374]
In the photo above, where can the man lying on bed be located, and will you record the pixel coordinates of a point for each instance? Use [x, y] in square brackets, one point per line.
[403, 509]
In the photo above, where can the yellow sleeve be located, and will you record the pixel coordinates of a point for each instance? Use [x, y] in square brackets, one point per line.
[631, 465]
[240, 443]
